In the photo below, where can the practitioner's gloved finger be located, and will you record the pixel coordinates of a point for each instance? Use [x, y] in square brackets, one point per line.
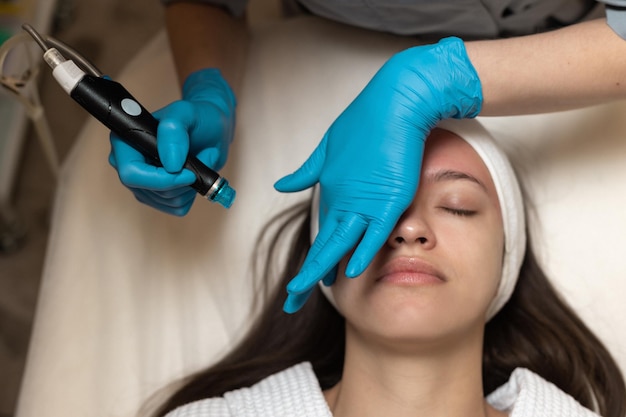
[325, 257]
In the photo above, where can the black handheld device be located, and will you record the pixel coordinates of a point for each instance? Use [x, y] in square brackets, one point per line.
[110, 103]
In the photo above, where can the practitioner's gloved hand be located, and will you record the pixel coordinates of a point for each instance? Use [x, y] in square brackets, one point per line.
[201, 124]
[369, 161]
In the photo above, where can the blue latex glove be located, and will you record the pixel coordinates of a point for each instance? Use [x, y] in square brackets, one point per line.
[369, 161]
[202, 123]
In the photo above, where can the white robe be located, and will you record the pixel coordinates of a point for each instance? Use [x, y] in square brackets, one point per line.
[295, 392]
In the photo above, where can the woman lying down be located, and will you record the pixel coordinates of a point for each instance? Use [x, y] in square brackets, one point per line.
[454, 317]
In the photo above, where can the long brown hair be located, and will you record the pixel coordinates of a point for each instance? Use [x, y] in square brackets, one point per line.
[536, 330]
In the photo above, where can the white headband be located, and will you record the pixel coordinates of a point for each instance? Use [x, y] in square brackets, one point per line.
[509, 196]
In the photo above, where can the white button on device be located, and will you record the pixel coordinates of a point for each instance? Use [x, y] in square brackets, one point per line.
[131, 107]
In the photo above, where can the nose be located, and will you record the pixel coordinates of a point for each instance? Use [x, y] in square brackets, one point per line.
[412, 229]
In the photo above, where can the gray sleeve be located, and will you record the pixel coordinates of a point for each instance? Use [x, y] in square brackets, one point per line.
[616, 16]
[234, 7]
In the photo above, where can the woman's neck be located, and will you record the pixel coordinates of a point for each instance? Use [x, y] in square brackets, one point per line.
[430, 381]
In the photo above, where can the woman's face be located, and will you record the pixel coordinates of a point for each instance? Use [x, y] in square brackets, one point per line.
[441, 266]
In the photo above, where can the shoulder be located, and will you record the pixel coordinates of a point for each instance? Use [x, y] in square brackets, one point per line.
[294, 392]
[528, 394]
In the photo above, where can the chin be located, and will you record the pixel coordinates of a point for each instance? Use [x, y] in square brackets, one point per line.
[414, 321]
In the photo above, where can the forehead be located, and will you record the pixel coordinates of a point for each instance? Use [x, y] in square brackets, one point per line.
[446, 151]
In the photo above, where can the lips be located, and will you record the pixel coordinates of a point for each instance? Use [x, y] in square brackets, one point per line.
[410, 271]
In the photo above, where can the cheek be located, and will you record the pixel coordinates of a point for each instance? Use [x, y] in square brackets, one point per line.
[479, 253]
[344, 289]
[353, 294]
[341, 288]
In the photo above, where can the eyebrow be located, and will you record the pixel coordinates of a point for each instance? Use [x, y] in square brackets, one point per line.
[450, 175]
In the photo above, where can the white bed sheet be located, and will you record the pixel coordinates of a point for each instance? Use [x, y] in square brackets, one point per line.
[132, 298]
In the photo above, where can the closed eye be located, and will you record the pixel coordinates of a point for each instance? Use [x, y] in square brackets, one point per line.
[459, 212]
